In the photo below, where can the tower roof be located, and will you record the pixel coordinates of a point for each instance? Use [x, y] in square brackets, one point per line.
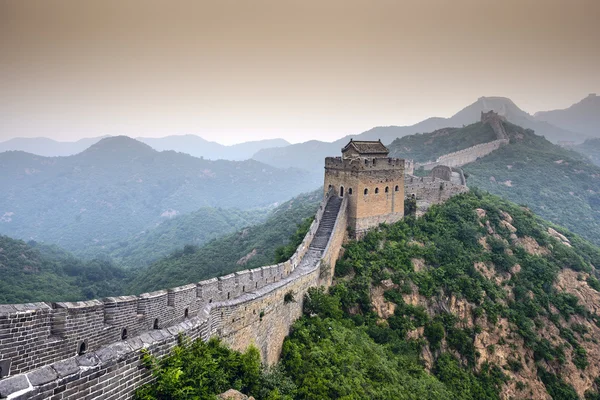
[366, 147]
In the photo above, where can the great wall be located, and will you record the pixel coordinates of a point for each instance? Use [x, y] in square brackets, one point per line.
[92, 349]
[470, 154]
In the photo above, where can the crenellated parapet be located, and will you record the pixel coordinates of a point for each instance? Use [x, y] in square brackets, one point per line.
[74, 350]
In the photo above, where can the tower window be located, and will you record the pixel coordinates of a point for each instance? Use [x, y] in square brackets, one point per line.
[396, 188]
[155, 324]
[350, 191]
[387, 189]
[366, 191]
[82, 349]
[341, 191]
[376, 190]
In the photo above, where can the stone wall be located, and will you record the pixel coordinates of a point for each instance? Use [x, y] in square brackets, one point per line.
[430, 190]
[470, 154]
[465, 156]
[41, 341]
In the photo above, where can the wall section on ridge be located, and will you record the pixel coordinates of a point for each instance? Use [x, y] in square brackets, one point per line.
[248, 307]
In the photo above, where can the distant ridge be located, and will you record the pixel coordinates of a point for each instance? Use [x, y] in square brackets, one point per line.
[308, 155]
[46, 147]
[199, 147]
[582, 117]
[120, 186]
[189, 144]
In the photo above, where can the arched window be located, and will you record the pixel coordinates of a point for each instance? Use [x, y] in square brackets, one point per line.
[374, 161]
[366, 191]
[376, 190]
[366, 162]
[186, 313]
[350, 191]
[396, 188]
[124, 334]
[387, 189]
[82, 348]
[341, 191]
[155, 323]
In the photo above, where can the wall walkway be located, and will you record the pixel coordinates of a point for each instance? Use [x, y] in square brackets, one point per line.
[91, 349]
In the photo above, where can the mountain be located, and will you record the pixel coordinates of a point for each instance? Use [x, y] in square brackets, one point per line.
[309, 155]
[120, 187]
[582, 117]
[47, 147]
[195, 228]
[189, 144]
[198, 147]
[31, 272]
[477, 299]
[251, 247]
[559, 184]
[591, 149]
[493, 301]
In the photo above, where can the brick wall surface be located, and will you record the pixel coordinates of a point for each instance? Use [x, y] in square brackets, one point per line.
[41, 341]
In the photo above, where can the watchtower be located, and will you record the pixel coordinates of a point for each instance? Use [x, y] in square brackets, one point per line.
[372, 181]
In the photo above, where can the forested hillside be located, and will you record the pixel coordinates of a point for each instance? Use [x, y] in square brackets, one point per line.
[33, 272]
[120, 187]
[424, 147]
[559, 184]
[195, 228]
[251, 247]
[591, 149]
[478, 299]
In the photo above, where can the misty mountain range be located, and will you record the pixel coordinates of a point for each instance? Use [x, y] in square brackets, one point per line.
[120, 186]
[189, 144]
[575, 124]
[309, 155]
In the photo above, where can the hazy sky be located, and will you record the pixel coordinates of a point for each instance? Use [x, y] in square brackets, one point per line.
[236, 70]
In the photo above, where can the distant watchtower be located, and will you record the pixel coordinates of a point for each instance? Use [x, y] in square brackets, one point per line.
[372, 181]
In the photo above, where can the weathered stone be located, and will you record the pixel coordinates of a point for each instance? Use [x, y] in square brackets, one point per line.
[66, 367]
[233, 394]
[88, 360]
[43, 375]
[12, 385]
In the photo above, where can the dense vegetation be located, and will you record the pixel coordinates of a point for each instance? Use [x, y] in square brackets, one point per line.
[424, 147]
[120, 187]
[252, 247]
[30, 272]
[36, 272]
[590, 148]
[476, 267]
[195, 228]
[560, 185]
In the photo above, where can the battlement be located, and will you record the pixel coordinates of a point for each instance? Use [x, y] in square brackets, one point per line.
[44, 346]
[364, 163]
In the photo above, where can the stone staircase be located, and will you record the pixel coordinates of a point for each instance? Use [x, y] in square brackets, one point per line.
[325, 228]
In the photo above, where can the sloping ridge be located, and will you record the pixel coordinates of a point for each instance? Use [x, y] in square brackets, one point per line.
[109, 334]
[470, 154]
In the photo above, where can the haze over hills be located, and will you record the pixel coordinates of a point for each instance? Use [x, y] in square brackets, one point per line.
[198, 147]
[46, 147]
[189, 144]
[309, 155]
[582, 117]
[120, 186]
[559, 184]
